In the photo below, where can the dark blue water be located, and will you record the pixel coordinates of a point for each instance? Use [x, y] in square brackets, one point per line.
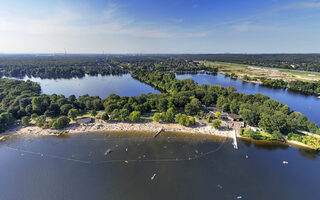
[307, 105]
[102, 86]
[75, 168]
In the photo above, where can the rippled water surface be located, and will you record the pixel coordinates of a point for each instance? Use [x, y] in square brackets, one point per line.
[171, 166]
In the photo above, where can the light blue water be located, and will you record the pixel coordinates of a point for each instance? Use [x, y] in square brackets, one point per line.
[102, 86]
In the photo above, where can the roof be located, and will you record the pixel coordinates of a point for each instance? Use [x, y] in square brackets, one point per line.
[234, 116]
[84, 120]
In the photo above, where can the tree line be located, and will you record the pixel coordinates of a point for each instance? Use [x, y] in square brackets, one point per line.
[256, 110]
[304, 87]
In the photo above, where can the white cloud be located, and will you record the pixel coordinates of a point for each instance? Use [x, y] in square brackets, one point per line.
[110, 22]
[302, 5]
[248, 26]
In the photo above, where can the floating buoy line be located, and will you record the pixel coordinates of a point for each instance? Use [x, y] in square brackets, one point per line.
[115, 160]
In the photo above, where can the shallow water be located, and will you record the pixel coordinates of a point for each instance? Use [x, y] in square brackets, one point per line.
[307, 105]
[102, 86]
[183, 166]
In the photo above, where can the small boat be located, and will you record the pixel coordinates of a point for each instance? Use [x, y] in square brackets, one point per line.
[107, 152]
[285, 162]
[152, 177]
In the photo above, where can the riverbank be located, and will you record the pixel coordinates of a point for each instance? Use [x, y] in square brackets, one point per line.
[299, 82]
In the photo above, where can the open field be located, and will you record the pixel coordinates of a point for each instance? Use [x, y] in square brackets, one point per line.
[256, 72]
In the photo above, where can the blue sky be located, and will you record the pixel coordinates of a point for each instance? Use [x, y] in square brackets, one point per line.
[163, 26]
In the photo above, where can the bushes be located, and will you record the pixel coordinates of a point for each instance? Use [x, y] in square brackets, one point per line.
[40, 121]
[105, 116]
[73, 113]
[135, 116]
[156, 117]
[257, 135]
[310, 140]
[25, 120]
[295, 137]
[185, 120]
[216, 123]
[6, 119]
[59, 123]
[209, 119]
[93, 113]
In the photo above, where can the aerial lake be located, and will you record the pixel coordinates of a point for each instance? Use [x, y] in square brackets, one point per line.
[125, 85]
[307, 105]
[102, 86]
[171, 166]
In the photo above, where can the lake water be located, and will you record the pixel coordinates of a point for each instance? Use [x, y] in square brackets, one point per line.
[182, 167]
[102, 86]
[307, 105]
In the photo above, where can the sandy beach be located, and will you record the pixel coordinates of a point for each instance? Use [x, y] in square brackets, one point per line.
[100, 126]
[151, 127]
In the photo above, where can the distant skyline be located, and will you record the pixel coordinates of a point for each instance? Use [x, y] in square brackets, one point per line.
[163, 26]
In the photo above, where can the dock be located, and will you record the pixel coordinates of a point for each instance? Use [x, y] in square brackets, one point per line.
[235, 143]
[158, 133]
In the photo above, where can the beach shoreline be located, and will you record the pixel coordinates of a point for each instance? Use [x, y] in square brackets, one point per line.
[101, 126]
[147, 127]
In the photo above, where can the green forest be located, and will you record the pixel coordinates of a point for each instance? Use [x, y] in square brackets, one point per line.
[179, 102]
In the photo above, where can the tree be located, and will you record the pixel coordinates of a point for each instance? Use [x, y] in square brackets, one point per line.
[209, 119]
[163, 117]
[110, 107]
[192, 121]
[72, 98]
[162, 105]
[233, 107]
[250, 116]
[53, 110]
[312, 127]
[135, 116]
[226, 107]
[73, 113]
[193, 107]
[156, 117]
[303, 123]
[209, 99]
[39, 104]
[6, 119]
[93, 113]
[25, 120]
[216, 123]
[34, 116]
[65, 108]
[115, 114]
[61, 122]
[170, 115]
[202, 114]
[28, 109]
[105, 116]
[40, 121]
[124, 114]
[218, 115]
[276, 122]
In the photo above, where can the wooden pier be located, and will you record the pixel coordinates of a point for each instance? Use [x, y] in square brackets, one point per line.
[235, 143]
[158, 133]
